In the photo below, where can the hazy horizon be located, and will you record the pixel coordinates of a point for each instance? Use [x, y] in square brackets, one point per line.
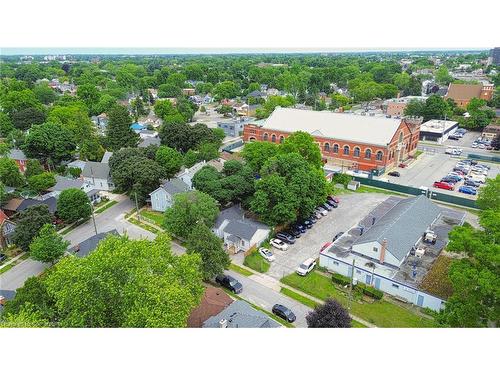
[13, 51]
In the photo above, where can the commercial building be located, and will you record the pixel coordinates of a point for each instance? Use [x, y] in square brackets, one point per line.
[437, 130]
[397, 106]
[490, 132]
[463, 93]
[355, 142]
[386, 250]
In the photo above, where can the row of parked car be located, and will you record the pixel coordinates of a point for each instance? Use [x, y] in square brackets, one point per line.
[286, 238]
[468, 174]
[457, 134]
[236, 287]
[482, 144]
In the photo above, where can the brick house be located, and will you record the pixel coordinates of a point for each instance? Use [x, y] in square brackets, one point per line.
[355, 142]
[463, 93]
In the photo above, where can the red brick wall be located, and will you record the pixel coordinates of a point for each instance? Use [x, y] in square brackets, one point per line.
[389, 153]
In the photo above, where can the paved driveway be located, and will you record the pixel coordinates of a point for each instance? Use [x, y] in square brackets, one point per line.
[352, 208]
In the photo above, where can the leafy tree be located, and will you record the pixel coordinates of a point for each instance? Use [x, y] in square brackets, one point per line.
[73, 205]
[75, 172]
[49, 142]
[118, 132]
[48, 246]
[3, 194]
[138, 109]
[170, 161]
[74, 118]
[15, 101]
[41, 182]
[434, 107]
[226, 90]
[168, 90]
[442, 76]
[489, 196]
[106, 102]
[6, 125]
[90, 96]
[208, 151]
[210, 247]
[30, 221]
[25, 118]
[329, 315]
[232, 167]
[126, 283]
[91, 149]
[190, 158]
[9, 173]
[190, 208]
[44, 93]
[272, 102]
[303, 144]
[27, 317]
[33, 168]
[257, 153]
[164, 108]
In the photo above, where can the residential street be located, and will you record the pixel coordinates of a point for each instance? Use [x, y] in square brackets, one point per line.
[267, 295]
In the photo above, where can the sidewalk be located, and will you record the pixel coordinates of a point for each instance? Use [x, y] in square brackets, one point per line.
[12, 260]
[276, 285]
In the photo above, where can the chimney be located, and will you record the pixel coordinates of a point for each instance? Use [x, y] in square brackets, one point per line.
[223, 323]
[382, 251]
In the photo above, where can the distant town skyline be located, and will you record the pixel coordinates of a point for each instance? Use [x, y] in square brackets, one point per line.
[10, 51]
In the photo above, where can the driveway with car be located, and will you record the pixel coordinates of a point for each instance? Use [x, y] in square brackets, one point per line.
[352, 208]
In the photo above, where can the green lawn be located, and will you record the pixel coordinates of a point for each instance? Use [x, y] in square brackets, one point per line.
[105, 206]
[256, 262]
[156, 217]
[380, 313]
[144, 226]
[240, 270]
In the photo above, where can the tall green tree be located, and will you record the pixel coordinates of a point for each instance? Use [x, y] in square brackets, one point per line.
[303, 144]
[41, 182]
[210, 247]
[48, 246]
[73, 205]
[189, 209]
[49, 142]
[9, 173]
[118, 132]
[170, 160]
[257, 153]
[33, 168]
[29, 223]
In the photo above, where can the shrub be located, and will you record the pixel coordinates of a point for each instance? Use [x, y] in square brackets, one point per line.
[341, 279]
[341, 178]
[370, 291]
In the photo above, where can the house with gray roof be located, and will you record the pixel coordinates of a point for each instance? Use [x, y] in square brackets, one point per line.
[238, 232]
[149, 141]
[64, 183]
[240, 314]
[98, 175]
[392, 237]
[163, 197]
[85, 247]
[19, 157]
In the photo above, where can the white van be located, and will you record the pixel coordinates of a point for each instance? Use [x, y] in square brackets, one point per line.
[306, 267]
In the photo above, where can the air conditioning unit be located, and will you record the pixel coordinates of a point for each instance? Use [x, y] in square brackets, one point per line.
[419, 253]
[223, 323]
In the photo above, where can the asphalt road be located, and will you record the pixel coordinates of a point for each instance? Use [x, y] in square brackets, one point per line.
[265, 294]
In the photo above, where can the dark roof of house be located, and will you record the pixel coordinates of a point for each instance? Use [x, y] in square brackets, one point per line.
[240, 314]
[96, 169]
[256, 94]
[150, 141]
[17, 154]
[12, 204]
[174, 186]
[238, 225]
[402, 226]
[459, 91]
[85, 247]
[64, 183]
[51, 202]
[214, 300]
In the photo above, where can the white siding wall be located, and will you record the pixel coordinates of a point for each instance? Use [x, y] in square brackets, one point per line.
[99, 183]
[388, 286]
[160, 200]
[259, 237]
[367, 249]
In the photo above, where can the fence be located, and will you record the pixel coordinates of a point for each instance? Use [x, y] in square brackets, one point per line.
[232, 146]
[447, 198]
[492, 158]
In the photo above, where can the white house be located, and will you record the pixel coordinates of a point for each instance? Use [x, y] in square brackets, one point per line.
[163, 197]
[63, 183]
[98, 175]
[238, 232]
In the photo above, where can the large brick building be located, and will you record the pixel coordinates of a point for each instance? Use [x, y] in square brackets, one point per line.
[463, 93]
[351, 141]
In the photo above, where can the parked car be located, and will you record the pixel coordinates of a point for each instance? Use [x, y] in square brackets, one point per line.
[230, 283]
[478, 177]
[321, 210]
[331, 198]
[472, 183]
[474, 145]
[443, 185]
[312, 219]
[327, 207]
[284, 313]
[2, 257]
[454, 137]
[402, 165]
[316, 215]
[449, 180]
[278, 244]
[301, 227]
[267, 254]
[285, 237]
[306, 267]
[467, 190]
[337, 236]
[295, 232]
[307, 223]
[394, 174]
[470, 161]
[458, 174]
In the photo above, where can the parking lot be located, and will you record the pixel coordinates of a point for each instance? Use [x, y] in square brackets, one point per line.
[352, 208]
[431, 167]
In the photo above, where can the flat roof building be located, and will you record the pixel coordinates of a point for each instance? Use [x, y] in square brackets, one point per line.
[437, 130]
[355, 142]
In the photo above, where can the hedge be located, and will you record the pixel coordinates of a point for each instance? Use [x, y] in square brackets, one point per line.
[341, 279]
[370, 291]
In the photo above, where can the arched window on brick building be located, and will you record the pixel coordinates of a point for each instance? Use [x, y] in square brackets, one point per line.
[368, 153]
[346, 150]
[380, 155]
[356, 152]
[326, 147]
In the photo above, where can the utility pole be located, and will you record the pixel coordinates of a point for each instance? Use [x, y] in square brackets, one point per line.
[93, 217]
[137, 207]
[351, 285]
